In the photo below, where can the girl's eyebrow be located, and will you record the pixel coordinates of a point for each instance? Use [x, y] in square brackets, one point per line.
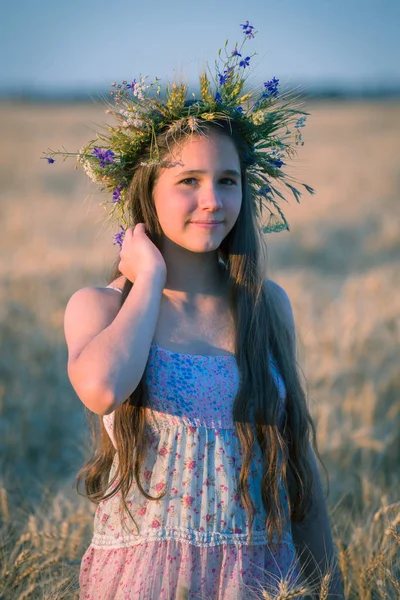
[202, 172]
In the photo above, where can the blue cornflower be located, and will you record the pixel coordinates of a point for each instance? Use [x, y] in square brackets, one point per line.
[300, 122]
[218, 97]
[245, 62]
[226, 75]
[239, 108]
[264, 191]
[276, 160]
[235, 52]
[50, 160]
[118, 237]
[247, 29]
[271, 88]
[104, 156]
[117, 193]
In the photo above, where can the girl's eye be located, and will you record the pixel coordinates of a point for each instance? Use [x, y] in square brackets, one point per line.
[189, 180]
[193, 180]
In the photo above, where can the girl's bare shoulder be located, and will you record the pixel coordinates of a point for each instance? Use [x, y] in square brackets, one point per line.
[282, 304]
[88, 312]
[117, 283]
[94, 300]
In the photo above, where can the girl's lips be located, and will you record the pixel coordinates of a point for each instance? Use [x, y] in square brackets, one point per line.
[207, 225]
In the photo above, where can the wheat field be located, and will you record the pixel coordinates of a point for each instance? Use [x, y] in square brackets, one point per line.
[339, 265]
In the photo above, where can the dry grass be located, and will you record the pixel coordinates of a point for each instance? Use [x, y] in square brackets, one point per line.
[40, 554]
[339, 266]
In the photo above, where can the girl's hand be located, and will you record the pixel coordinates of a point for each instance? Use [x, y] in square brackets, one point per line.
[139, 255]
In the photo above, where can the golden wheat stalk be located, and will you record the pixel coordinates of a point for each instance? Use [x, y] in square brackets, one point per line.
[28, 592]
[34, 587]
[286, 594]
[385, 509]
[392, 531]
[28, 570]
[64, 530]
[343, 560]
[4, 505]
[22, 556]
[75, 540]
[324, 592]
[33, 530]
[24, 537]
[39, 568]
[394, 581]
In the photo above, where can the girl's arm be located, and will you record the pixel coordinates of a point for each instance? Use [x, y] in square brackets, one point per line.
[108, 345]
[312, 537]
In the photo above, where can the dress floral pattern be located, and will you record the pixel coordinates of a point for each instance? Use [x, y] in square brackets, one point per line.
[196, 536]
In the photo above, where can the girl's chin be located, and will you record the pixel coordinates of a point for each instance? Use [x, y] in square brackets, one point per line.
[197, 240]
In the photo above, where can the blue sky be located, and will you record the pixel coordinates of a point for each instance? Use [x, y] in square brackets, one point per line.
[87, 44]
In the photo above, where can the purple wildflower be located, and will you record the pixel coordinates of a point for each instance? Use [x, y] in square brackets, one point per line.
[118, 237]
[247, 29]
[104, 156]
[245, 62]
[117, 193]
[271, 88]
[131, 85]
[50, 160]
[235, 52]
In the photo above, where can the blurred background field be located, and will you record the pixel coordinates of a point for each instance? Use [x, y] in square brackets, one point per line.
[340, 267]
[339, 263]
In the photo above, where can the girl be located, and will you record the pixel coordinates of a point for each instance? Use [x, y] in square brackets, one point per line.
[203, 471]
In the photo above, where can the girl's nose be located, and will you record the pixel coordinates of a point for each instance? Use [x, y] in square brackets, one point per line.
[210, 196]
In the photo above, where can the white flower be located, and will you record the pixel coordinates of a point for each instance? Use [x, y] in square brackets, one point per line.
[87, 166]
[139, 88]
[132, 118]
[138, 123]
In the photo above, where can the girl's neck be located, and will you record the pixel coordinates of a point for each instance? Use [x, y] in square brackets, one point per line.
[195, 288]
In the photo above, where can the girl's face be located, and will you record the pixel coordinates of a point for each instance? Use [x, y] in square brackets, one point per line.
[201, 183]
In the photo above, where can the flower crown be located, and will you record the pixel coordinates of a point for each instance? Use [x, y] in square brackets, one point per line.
[262, 117]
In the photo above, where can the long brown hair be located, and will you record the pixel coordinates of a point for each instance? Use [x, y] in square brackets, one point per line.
[261, 332]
